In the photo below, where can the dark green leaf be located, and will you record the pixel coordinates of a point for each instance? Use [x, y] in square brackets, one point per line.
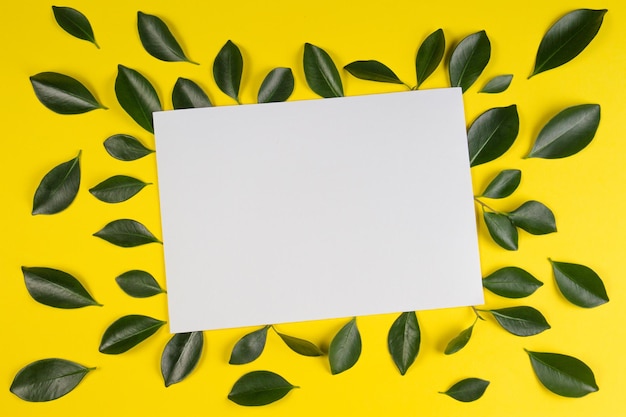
[511, 282]
[567, 38]
[126, 233]
[75, 23]
[137, 96]
[157, 39]
[403, 340]
[521, 321]
[492, 134]
[504, 184]
[467, 390]
[139, 284]
[567, 133]
[127, 332]
[459, 341]
[58, 188]
[249, 347]
[429, 55]
[277, 86]
[321, 73]
[125, 148]
[56, 288]
[300, 346]
[117, 189]
[372, 71]
[579, 284]
[48, 379]
[501, 229]
[563, 375]
[63, 94]
[469, 59]
[534, 217]
[259, 388]
[345, 348]
[228, 69]
[189, 95]
[498, 84]
[180, 356]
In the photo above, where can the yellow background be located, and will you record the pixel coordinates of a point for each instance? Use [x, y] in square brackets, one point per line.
[585, 192]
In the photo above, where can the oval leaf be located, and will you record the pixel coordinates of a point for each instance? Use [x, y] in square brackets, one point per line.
[75, 23]
[459, 341]
[563, 375]
[504, 184]
[125, 148]
[58, 188]
[497, 84]
[403, 340]
[579, 284]
[127, 332]
[492, 134]
[321, 73]
[501, 229]
[139, 284]
[63, 94]
[372, 70]
[189, 95]
[228, 69]
[157, 39]
[259, 388]
[56, 288]
[180, 356]
[567, 133]
[277, 86]
[300, 346]
[567, 38]
[48, 379]
[136, 96]
[126, 233]
[511, 282]
[345, 348]
[534, 217]
[117, 189]
[521, 321]
[249, 347]
[467, 390]
[429, 55]
[469, 59]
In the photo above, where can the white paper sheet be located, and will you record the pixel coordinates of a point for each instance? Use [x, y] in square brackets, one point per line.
[316, 209]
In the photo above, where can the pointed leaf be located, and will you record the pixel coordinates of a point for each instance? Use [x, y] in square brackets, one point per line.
[492, 134]
[228, 69]
[181, 356]
[504, 184]
[403, 340]
[563, 375]
[345, 348]
[125, 148]
[300, 346]
[534, 217]
[429, 55]
[259, 388]
[521, 321]
[127, 332]
[56, 288]
[136, 96]
[58, 188]
[567, 133]
[372, 71]
[139, 284]
[117, 189]
[75, 23]
[497, 84]
[469, 59]
[189, 95]
[321, 73]
[459, 341]
[249, 347]
[126, 233]
[511, 282]
[567, 38]
[501, 229]
[48, 379]
[467, 390]
[157, 39]
[277, 86]
[579, 284]
[63, 94]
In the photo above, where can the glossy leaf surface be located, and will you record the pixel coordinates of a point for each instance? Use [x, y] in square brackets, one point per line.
[403, 340]
[459, 341]
[563, 375]
[75, 23]
[126, 233]
[372, 70]
[189, 95]
[181, 356]
[534, 217]
[321, 73]
[157, 39]
[228, 70]
[468, 390]
[63, 94]
[345, 348]
[139, 284]
[125, 148]
[579, 284]
[58, 188]
[498, 84]
[502, 230]
[127, 332]
[469, 59]
[300, 346]
[521, 321]
[504, 184]
[117, 189]
[277, 86]
[249, 347]
[56, 288]
[259, 388]
[429, 55]
[492, 134]
[136, 96]
[511, 282]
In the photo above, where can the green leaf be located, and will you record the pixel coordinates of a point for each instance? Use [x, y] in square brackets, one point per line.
[56, 288]
[567, 38]
[403, 340]
[126, 233]
[139, 284]
[534, 217]
[259, 388]
[521, 321]
[467, 390]
[249, 347]
[321, 73]
[579, 284]
[345, 348]
[501, 229]
[300, 346]
[504, 184]
[63, 94]
[48, 379]
[492, 134]
[136, 96]
[567, 133]
[563, 375]
[228, 69]
[189, 95]
[277, 86]
[429, 55]
[157, 39]
[125, 148]
[75, 23]
[117, 189]
[127, 332]
[511, 282]
[459, 341]
[497, 84]
[58, 188]
[469, 59]
[372, 71]
[180, 356]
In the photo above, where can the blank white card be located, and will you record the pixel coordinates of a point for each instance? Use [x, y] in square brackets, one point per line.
[317, 209]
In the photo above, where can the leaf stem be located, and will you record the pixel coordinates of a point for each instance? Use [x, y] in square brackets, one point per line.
[484, 205]
[478, 316]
